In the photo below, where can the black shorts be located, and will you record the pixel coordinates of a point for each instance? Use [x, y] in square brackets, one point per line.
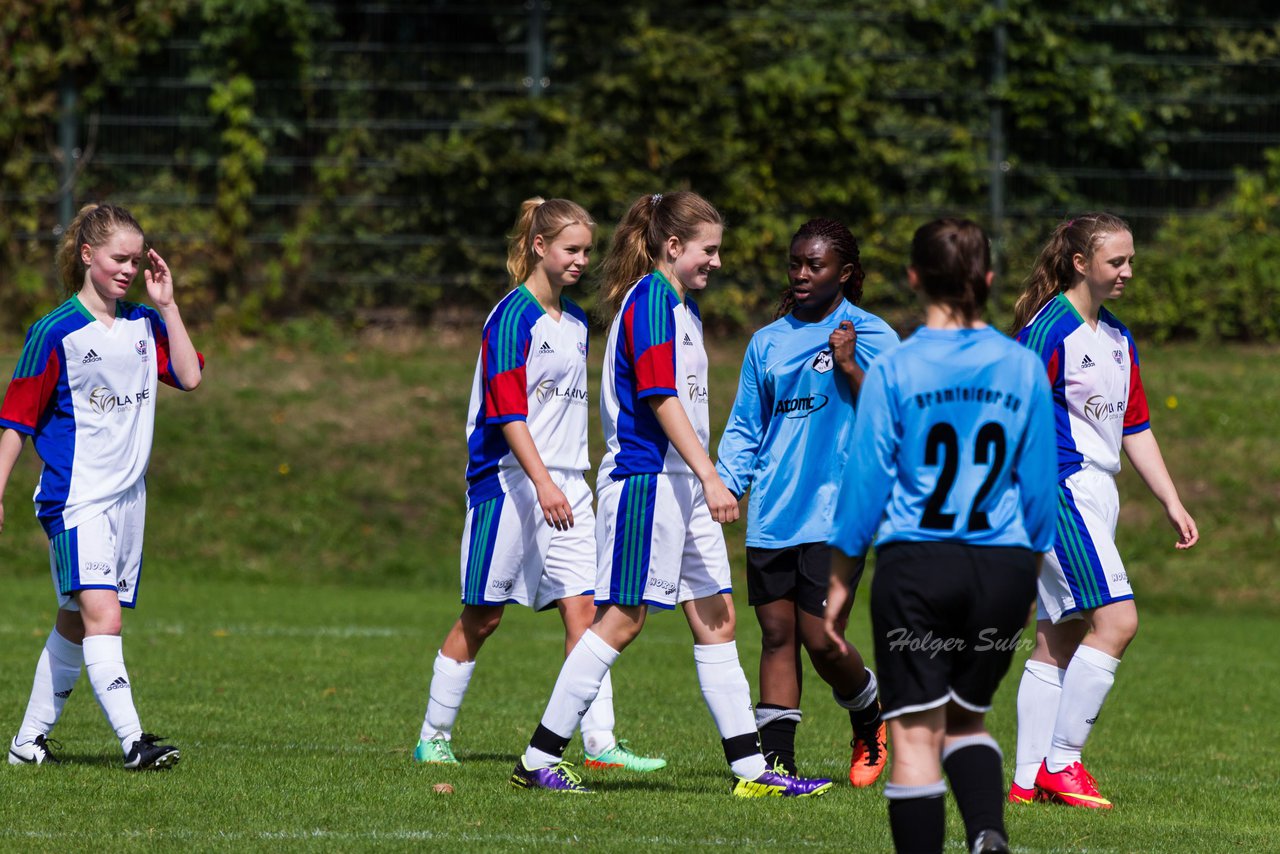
[801, 573]
[946, 619]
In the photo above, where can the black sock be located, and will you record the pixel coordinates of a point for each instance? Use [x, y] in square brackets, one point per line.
[977, 782]
[919, 825]
[778, 739]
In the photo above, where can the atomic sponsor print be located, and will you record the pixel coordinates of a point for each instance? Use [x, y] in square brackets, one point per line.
[800, 407]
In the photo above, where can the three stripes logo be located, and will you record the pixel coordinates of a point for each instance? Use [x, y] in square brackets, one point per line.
[1086, 362]
[89, 357]
[546, 349]
[120, 682]
[688, 342]
[62, 695]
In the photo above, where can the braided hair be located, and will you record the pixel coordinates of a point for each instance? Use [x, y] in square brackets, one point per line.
[840, 239]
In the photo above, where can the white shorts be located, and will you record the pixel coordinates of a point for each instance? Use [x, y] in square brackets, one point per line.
[658, 544]
[511, 556]
[103, 552]
[1084, 571]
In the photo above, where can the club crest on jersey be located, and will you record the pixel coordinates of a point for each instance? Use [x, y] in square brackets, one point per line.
[141, 347]
[582, 349]
[823, 362]
[1118, 355]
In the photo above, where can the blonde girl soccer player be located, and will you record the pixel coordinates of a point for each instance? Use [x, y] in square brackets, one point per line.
[787, 441]
[1085, 616]
[951, 472]
[529, 537]
[85, 392]
[660, 498]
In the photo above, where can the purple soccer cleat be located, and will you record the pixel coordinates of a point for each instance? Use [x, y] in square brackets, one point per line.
[771, 784]
[557, 778]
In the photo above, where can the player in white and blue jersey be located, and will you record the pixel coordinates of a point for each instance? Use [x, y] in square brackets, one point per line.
[952, 473]
[85, 391]
[1086, 616]
[787, 441]
[658, 540]
[529, 537]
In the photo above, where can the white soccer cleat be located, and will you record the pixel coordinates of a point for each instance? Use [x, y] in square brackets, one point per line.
[35, 752]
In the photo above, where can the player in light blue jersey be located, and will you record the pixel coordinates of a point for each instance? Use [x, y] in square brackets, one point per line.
[787, 441]
[529, 536]
[953, 475]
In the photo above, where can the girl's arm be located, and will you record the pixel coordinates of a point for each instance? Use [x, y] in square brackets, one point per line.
[11, 442]
[1144, 452]
[675, 423]
[843, 342]
[183, 359]
[555, 507]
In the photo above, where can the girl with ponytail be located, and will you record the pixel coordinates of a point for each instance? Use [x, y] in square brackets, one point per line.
[85, 392]
[1086, 616]
[660, 497]
[951, 476]
[529, 537]
[787, 440]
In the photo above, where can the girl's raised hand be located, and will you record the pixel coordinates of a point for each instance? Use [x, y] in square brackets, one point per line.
[159, 281]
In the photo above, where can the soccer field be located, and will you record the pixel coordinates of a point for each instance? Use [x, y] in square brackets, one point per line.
[296, 710]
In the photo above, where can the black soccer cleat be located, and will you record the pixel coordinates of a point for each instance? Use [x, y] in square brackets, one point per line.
[147, 754]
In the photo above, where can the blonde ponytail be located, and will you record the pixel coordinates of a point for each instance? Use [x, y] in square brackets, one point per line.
[1054, 271]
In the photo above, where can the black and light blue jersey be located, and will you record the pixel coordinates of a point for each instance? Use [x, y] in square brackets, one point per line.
[954, 441]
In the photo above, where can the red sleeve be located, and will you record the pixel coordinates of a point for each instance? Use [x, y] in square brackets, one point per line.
[1137, 417]
[28, 397]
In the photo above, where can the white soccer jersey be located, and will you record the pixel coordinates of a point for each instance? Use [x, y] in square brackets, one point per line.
[531, 368]
[655, 349]
[86, 392]
[1096, 384]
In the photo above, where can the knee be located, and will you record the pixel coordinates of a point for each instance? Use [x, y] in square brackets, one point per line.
[479, 626]
[776, 637]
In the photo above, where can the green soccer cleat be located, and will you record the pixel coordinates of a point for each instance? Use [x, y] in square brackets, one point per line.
[621, 756]
[435, 751]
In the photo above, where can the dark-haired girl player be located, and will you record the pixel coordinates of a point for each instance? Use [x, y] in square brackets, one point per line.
[953, 476]
[787, 441]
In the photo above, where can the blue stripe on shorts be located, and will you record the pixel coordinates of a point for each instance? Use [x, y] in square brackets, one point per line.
[484, 534]
[633, 539]
[1080, 563]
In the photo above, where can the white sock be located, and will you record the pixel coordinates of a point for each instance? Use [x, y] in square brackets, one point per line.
[1038, 696]
[1090, 675]
[598, 723]
[449, 681]
[57, 671]
[728, 697]
[104, 662]
[863, 698]
[577, 685]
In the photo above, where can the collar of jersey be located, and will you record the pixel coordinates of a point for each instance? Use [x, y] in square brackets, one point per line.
[80, 307]
[1070, 307]
[670, 287]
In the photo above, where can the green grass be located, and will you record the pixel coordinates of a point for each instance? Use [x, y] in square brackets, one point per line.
[305, 507]
[297, 707]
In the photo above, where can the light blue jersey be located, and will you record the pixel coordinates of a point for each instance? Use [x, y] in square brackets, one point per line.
[955, 442]
[789, 433]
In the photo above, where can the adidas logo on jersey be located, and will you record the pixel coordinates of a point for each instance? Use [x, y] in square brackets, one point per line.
[90, 357]
[1086, 362]
[688, 342]
[120, 682]
[546, 349]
